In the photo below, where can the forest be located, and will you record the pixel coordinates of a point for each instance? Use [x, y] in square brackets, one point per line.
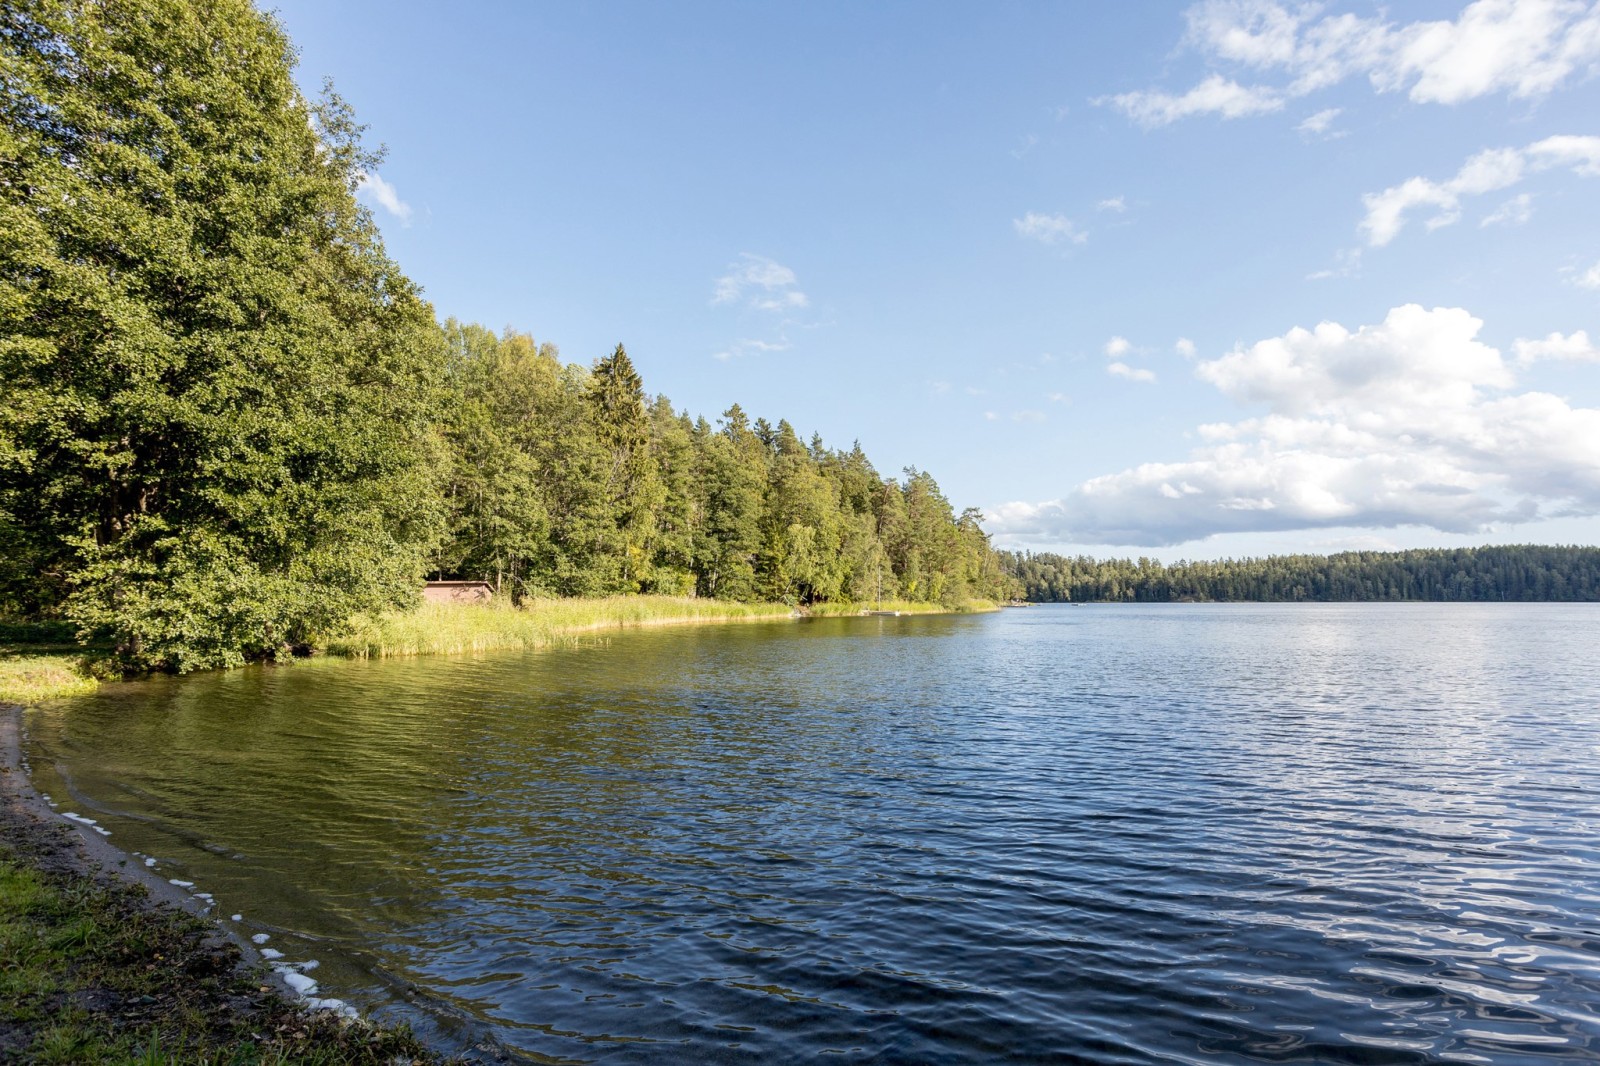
[1512, 572]
[231, 422]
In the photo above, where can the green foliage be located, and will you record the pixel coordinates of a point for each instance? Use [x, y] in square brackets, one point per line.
[232, 425]
[216, 440]
[1513, 572]
[565, 481]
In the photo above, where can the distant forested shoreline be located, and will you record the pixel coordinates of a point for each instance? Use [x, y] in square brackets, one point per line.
[1518, 572]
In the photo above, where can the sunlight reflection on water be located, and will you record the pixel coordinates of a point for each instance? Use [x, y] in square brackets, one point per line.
[1138, 834]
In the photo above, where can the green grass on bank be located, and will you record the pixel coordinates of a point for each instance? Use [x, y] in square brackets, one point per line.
[30, 678]
[42, 661]
[829, 610]
[448, 628]
[35, 666]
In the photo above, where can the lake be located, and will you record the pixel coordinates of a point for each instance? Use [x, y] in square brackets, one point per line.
[1363, 833]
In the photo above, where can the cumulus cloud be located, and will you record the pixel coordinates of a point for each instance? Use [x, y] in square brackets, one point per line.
[384, 195]
[1572, 348]
[1488, 171]
[760, 283]
[1117, 347]
[1521, 48]
[1115, 203]
[1317, 125]
[1411, 421]
[1214, 96]
[1184, 347]
[1132, 373]
[1514, 212]
[1588, 279]
[1048, 229]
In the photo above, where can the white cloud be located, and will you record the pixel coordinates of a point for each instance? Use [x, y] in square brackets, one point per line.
[1117, 347]
[1317, 125]
[1028, 416]
[1488, 171]
[760, 283]
[939, 387]
[1346, 263]
[1184, 347]
[385, 195]
[1025, 145]
[1048, 229]
[1573, 348]
[1214, 96]
[1514, 212]
[1057, 397]
[1522, 48]
[1132, 373]
[1116, 203]
[743, 347]
[1412, 421]
[1589, 279]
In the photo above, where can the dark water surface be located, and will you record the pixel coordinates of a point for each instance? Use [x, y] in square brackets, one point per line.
[1234, 833]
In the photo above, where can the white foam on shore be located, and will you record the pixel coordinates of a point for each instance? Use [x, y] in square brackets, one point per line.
[149, 862]
[237, 918]
[338, 1006]
[261, 938]
[308, 965]
[80, 819]
[205, 896]
[180, 884]
[271, 953]
[296, 980]
[306, 988]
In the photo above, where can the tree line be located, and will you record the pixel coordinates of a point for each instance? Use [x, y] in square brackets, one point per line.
[1513, 572]
[231, 422]
[569, 480]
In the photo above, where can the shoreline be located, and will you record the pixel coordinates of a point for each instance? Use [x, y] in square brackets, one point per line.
[33, 673]
[42, 848]
[113, 962]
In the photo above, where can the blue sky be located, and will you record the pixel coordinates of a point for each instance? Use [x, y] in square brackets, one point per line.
[1184, 280]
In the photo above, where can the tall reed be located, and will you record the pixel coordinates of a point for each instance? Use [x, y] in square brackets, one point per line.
[452, 628]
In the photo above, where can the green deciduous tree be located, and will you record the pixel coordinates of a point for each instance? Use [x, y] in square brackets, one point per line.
[219, 389]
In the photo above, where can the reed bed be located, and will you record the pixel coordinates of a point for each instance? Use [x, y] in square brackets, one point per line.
[454, 629]
[830, 610]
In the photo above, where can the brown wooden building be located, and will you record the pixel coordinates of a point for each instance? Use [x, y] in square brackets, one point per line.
[458, 592]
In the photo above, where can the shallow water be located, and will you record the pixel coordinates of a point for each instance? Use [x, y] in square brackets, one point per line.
[1231, 833]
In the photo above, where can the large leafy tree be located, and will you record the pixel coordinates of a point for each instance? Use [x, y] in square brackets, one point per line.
[214, 440]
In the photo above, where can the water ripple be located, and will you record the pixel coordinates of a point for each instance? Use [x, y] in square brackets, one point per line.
[1363, 834]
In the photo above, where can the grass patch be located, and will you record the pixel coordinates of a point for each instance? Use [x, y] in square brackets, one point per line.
[92, 972]
[831, 610]
[31, 677]
[453, 629]
[42, 661]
